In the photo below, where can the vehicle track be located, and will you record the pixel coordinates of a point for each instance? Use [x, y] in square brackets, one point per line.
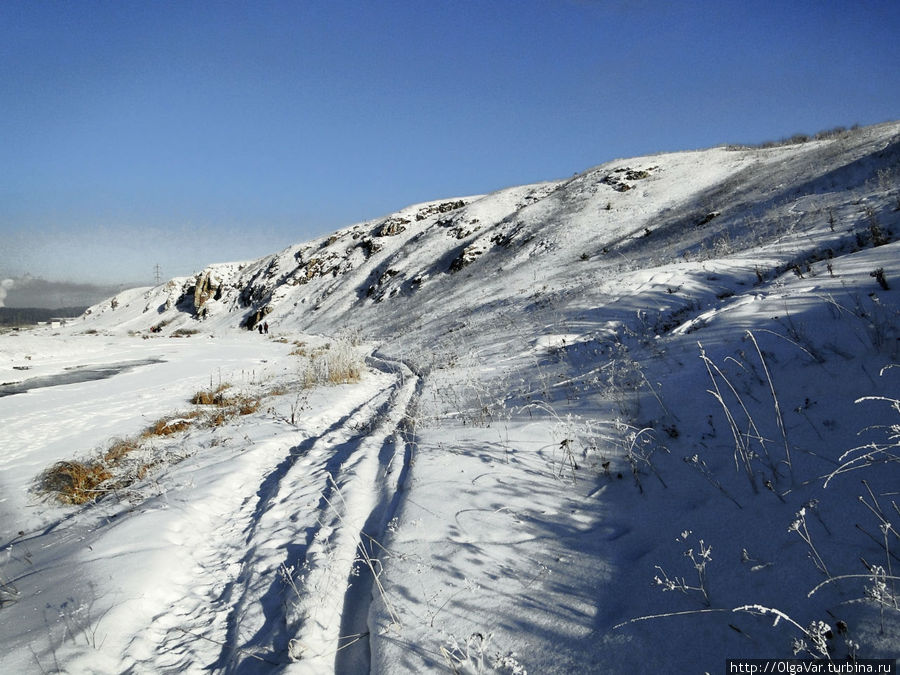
[279, 578]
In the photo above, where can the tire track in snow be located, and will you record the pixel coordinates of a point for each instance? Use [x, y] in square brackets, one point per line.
[233, 537]
[280, 530]
[354, 653]
[282, 581]
[329, 614]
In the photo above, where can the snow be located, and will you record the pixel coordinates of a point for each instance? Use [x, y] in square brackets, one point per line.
[599, 429]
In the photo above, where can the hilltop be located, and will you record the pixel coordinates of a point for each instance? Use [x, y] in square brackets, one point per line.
[643, 418]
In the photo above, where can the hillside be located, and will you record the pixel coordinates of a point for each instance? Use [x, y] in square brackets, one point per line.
[644, 418]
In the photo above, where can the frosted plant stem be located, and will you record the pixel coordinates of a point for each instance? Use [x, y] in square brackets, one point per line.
[778, 416]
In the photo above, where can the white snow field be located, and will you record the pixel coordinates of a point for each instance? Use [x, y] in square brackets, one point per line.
[645, 419]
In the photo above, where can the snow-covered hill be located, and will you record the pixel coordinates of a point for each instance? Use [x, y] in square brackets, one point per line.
[618, 421]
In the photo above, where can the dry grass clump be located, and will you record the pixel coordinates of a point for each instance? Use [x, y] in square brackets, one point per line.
[78, 482]
[278, 390]
[339, 363]
[211, 396]
[74, 482]
[119, 449]
[167, 426]
[239, 404]
[244, 405]
[299, 349]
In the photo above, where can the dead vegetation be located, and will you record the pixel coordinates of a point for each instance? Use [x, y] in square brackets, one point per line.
[125, 461]
[211, 397]
[74, 482]
[128, 460]
[332, 363]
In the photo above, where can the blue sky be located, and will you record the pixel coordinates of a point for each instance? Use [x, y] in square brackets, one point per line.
[185, 133]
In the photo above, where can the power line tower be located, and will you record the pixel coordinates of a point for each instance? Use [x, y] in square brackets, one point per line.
[158, 274]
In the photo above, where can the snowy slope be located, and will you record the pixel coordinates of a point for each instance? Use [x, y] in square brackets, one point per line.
[611, 422]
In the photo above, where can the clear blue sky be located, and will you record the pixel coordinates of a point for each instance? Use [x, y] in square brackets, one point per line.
[184, 133]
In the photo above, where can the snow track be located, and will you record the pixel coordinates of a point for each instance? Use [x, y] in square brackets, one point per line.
[284, 576]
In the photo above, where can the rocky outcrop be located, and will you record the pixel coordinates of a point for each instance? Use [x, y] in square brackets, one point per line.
[620, 179]
[377, 290]
[392, 227]
[257, 317]
[466, 257]
[208, 286]
[443, 207]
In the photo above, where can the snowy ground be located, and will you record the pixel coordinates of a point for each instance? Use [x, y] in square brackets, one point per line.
[621, 433]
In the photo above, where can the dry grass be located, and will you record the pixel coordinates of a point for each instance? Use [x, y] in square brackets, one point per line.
[166, 426]
[211, 396]
[246, 405]
[334, 364]
[119, 449]
[75, 482]
[79, 482]
[240, 404]
[299, 349]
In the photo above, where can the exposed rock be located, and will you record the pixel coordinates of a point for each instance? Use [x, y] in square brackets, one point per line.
[458, 228]
[377, 290]
[254, 319]
[370, 246]
[617, 182]
[462, 231]
[392, 227]
[635, 174]
[313, 268]
[507, 238]
[207, 286]
[708, 217]
[468, 255]
[443, 207]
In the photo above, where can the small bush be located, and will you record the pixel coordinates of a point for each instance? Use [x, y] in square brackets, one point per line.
[880, 278]
[245, 405]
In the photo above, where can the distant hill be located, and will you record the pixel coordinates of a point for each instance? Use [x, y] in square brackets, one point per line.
[28, 316]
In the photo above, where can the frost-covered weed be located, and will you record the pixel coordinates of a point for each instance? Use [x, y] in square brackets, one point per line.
[700, 558]
[9, 594]
[799, 526]
[638, 447]
[337, 363]
[472, 657]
